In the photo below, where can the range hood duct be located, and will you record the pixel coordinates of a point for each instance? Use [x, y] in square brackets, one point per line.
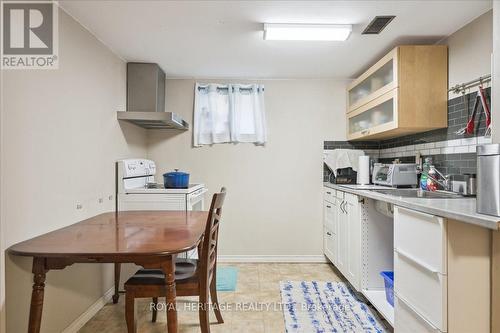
[146, 99]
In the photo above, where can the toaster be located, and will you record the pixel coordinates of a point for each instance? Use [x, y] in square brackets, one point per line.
[395, 175]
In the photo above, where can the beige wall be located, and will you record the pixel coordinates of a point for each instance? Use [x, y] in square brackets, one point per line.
[60, 138]
[496, 65]
[274, 192]
[470, 50]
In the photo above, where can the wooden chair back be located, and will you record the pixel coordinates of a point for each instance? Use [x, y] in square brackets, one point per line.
[208, 258]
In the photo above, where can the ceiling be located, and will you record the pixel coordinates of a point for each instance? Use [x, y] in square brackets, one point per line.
[212, 39]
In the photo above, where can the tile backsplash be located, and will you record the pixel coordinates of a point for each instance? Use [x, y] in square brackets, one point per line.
[451, 153]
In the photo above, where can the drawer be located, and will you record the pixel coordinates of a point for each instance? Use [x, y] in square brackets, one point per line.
[422, 289]
[330, 245]
[329, 194]
[406, 320]
[330, 216]
[422, 237]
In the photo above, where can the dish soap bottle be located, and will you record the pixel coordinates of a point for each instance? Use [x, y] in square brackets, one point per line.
[425, 172]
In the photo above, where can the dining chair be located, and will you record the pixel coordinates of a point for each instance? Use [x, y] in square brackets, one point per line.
[192, 277]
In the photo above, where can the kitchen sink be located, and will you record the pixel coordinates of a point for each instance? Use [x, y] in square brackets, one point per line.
[417, 193]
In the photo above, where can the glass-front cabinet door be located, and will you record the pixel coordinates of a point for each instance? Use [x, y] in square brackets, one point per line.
[378, 80]
[377, 116]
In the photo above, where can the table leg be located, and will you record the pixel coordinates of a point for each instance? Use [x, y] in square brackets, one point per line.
[36, 307]
[116, 296]
[169, 270]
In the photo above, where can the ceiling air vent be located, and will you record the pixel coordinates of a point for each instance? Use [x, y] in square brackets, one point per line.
[377, 25]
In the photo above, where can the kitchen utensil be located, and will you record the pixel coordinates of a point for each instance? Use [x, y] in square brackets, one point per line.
[470, 124]
[486, 109]
[488, 181]
[176, 179]
[464, 129]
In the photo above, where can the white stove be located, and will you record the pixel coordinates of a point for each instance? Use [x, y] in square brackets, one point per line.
[137, 190]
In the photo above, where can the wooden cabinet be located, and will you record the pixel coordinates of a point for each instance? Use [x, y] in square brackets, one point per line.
[403, 93]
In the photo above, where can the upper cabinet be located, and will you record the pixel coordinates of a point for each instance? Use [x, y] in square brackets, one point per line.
[379, 79]
[404, 92]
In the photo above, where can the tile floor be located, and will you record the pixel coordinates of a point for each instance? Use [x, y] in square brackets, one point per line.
[257, 284]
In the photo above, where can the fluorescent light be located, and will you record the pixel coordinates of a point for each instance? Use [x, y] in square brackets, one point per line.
[279, 31]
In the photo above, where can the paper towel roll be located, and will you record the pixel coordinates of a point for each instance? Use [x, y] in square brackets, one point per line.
[364, 170]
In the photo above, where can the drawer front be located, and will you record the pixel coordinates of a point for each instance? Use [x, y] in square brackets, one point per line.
[423, 290]
[330, 246]
[329, 216]
[422, 237]
[329, 194]
[406, 320]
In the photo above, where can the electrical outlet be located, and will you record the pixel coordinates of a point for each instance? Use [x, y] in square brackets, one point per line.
[110, 197]
[79, 206]
[100, 200]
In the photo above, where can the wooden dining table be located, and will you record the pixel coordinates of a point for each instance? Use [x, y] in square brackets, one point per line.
[150, 239]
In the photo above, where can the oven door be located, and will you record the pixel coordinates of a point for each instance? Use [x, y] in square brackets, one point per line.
[196, 200]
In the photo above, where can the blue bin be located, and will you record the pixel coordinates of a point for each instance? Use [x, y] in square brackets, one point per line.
[389, 286]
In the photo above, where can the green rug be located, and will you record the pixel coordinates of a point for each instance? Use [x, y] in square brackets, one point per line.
[226, 278]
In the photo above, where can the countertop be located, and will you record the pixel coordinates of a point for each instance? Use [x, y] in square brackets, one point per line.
[462, 209]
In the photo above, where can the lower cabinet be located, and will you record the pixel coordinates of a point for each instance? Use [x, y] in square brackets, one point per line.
[409, 321]
[441, 274]
[420, 247]
[353, 235]
[442, 267]
[342, 243]
[330, 245]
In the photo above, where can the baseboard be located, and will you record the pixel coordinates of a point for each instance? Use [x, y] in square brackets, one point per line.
[273, 258]
[90, 312]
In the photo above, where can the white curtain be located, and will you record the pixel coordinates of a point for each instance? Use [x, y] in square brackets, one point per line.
[229, 113]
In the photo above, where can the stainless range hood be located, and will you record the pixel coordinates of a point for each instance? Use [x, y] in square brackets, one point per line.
[146, 99]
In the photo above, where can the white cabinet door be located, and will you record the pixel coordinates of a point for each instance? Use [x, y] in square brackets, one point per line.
[352, 209]
[330, 216]
[342, 237]
[330, 246]
[409, 321]
[329, 194]
[420, 251]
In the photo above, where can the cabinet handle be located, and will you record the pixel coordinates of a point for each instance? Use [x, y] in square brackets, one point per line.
[328, 206]
[328, 233]
[405, 302]
[328, 192]
[341, 206]
[416, 261]
[344, 209]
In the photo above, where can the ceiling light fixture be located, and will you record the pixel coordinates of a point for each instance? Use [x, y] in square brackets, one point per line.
[328, 32]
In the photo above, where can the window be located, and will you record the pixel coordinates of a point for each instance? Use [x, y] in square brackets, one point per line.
[229, 113]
